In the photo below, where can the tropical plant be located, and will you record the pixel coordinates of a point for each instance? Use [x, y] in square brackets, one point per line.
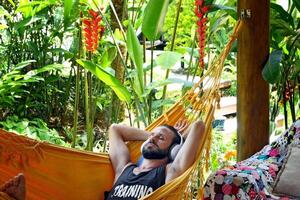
[283, 67]
[14, 87]
[36, 129]
[37, 31]
[223, 150]
[54, 67]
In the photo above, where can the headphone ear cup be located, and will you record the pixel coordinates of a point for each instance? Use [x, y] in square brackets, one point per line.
[142, 146]
[174, 151]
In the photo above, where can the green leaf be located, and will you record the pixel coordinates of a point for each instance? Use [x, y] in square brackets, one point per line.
[161, 83]
[68, 4]
[43, 5]
[218, 24]
[27, 11]
[168, 59]
[135, 52]
[297, 64]
[4, 12]
[3, 26]
[27, 22]
[24, 64]
[293, 42]
[186, 87]
[66, 53]
[46, 68]
[281, 27]
[31, 8]
[154, 17]
[162, 102]
[107, 78]
[271, 71]
[208, 2]
[297, 4]
[108, 56]
[228, 9]
[12, 3]
[283, 14]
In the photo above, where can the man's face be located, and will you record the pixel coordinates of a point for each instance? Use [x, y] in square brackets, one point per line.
[158, 143]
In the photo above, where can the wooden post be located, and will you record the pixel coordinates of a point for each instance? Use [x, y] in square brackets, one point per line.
[252, 90]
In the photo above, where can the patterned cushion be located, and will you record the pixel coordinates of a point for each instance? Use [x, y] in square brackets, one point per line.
[288, 179]
[254, 177]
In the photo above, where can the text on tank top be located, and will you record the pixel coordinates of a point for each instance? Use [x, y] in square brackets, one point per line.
[130, 186]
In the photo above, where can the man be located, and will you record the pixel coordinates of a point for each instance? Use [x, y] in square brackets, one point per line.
[13, 189]
[132, 181]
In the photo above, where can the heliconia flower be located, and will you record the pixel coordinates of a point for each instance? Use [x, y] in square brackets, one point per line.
[93, 13]
[199, 2]
[200, 11]
[204, 9]
[92, 31]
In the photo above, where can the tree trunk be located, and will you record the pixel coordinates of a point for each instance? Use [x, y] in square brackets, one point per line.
[252, 90]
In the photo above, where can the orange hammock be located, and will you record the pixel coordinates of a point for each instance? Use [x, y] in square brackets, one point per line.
[54, 172]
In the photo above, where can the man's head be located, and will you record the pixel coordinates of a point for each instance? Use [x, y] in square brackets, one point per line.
[160, 141]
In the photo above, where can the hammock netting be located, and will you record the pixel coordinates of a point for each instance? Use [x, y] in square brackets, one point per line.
[59, 173]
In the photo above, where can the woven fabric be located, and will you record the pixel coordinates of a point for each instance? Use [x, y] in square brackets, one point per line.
[4, 196]
[254, 177]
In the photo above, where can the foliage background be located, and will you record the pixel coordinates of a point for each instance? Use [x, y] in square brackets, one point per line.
[45, 92]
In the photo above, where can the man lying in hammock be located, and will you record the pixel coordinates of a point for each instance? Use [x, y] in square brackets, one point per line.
[160, 163]
[13, 189]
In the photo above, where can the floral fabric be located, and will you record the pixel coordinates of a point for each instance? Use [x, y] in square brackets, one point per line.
[254, 177]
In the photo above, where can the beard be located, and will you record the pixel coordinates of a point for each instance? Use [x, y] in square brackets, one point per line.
[151, 153]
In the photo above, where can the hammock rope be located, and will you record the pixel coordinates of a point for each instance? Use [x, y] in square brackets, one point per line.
[54, 172]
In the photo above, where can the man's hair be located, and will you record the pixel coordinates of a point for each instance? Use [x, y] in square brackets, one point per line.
[177, 138]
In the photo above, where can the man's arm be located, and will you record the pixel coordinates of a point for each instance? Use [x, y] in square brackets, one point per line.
[187, 154]
[118, 150]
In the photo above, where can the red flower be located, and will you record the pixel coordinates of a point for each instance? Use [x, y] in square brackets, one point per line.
[92, 31]
[200, 11]
[199, 14]
[204, 9]
[199, 2]
[93, 13]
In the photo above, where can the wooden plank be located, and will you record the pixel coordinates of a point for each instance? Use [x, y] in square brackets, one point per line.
[252, 90]
[227, 106]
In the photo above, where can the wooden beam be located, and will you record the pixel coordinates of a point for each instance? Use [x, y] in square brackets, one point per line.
[252, 90]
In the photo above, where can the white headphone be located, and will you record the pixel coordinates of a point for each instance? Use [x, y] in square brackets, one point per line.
[142, 146]
[173, 150]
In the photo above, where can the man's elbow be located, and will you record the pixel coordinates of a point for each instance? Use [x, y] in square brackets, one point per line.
[113, 129]
[113, 126]
[199, 126]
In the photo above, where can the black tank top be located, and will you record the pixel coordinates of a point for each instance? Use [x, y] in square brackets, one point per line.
[131, 187]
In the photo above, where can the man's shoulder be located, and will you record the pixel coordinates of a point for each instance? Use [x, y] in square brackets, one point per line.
[117, 175]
